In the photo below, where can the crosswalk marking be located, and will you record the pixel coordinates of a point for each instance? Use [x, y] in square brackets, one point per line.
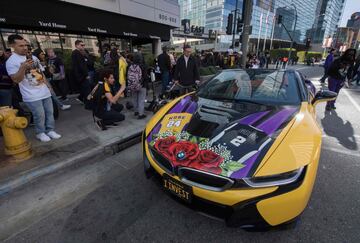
[352, 100]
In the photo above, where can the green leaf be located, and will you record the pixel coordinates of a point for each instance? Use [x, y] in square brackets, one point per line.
[203, 140]
[232, 166]
[193, 139]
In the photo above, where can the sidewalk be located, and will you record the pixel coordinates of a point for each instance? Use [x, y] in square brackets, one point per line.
[81, 139]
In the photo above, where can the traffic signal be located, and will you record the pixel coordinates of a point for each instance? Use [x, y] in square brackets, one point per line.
[229, 27]
[239, 26]
[279, 19]
[308, 42]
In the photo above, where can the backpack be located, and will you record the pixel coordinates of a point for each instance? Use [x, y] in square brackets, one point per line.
[134, 76]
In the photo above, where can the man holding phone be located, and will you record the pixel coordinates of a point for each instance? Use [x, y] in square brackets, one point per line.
[26, 70]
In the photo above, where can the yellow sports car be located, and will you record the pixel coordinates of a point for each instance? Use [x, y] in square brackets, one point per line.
[244, 147]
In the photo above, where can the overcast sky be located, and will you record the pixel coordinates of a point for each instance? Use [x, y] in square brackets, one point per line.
[351, 7]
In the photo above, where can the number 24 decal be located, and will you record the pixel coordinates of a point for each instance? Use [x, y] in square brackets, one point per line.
[173, 124]
[238, 141]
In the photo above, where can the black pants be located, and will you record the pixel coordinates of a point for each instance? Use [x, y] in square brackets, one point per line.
[113, 116]
[59, 87]
[85, 90]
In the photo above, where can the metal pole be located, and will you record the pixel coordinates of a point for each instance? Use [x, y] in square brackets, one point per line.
[61, 45]
[2, 40]
[258, 43]
[292, 41]
[273, 30]
[234, 25]
[266, 29]
[247, 10]
[216, 39]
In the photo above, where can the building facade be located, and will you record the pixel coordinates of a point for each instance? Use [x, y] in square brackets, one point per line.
[354, 24]
[58, 23]
[314, 19]
[327, 16]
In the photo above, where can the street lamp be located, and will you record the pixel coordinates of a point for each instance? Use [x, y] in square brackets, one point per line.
[292, 42]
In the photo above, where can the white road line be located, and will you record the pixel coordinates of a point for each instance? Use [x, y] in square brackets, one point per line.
[352, 100]
[342, 151]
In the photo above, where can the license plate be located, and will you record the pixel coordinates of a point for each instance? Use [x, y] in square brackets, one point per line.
[177, 188]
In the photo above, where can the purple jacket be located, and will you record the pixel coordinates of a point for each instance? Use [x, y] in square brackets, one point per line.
[328, 61]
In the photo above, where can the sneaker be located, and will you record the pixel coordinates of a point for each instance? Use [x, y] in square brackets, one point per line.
[43, 137]
[65, 107]
[141, 117]
[101, 125]
[53, 135]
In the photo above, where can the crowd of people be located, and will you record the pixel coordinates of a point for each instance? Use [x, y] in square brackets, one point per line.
[37, 78]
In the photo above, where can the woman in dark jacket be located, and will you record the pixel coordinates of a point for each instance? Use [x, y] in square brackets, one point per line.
[337, 73]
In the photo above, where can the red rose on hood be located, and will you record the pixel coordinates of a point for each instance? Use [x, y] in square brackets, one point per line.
[183, 153]
[162, 145]
[208, 161]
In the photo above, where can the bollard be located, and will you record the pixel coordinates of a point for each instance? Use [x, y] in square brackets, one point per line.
[16, 144]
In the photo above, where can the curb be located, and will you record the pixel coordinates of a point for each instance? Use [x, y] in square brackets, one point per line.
[29, 176]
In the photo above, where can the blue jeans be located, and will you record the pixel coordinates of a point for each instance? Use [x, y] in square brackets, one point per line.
[5, 97]
[91, 78]
[165, 76]
[57, 101]
[42, 111]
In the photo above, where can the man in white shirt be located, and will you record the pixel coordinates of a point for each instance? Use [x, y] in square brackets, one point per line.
[27, 71]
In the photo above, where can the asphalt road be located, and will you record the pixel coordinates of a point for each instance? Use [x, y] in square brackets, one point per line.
[111, 200]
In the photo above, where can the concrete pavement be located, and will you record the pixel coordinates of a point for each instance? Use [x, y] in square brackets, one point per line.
[81, 140]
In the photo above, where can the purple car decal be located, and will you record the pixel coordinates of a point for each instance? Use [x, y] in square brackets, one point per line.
[233, 150]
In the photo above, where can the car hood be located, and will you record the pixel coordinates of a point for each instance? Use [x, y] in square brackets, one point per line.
[223, 138]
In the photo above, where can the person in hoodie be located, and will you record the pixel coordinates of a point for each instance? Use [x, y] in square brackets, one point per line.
[337, 74]
[328, 61]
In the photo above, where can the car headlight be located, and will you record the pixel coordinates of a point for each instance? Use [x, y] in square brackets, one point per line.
[274, 180]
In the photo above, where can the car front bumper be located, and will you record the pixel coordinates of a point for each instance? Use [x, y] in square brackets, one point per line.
[247, 207]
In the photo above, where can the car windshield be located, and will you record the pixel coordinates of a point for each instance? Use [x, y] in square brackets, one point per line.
[268, 87]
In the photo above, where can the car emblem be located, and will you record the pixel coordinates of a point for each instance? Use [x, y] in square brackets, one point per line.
[180, 155]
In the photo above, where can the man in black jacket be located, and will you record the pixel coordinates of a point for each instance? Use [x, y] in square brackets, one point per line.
[80, 70]
[186, 71]
[165, 67]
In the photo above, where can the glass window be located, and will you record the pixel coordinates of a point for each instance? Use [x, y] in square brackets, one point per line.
[259, 86]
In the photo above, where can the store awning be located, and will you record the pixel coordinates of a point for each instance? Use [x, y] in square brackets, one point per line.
[59, 16]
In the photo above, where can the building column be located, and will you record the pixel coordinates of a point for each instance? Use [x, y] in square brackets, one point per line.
[156, 46]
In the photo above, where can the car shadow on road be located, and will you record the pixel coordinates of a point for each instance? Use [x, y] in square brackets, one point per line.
[343, 131]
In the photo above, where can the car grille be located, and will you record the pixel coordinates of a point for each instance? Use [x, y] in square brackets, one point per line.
[193, 177]
[162, 162]
[204, 179]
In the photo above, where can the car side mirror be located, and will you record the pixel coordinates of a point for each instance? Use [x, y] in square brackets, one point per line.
[323, 96]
